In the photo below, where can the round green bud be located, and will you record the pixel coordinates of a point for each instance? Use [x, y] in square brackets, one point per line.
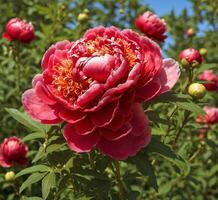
[197, 90]
[10, 176]
[203, 51]
[83, 17]
[86, 11]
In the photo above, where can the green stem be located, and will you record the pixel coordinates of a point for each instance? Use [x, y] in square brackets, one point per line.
[186, 119]
[118, 178]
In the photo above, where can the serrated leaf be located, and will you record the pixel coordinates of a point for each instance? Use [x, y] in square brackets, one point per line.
[24, 119]
[48, 182]
[33, 136]
[37, 168]
[31, 179]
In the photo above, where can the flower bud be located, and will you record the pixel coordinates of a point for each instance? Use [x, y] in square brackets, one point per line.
[10, 176]
[192, 56]
[197, 90]
[203, 51]
[190, 32]
[12, 150]
[20, 30]
[152, 26]
[83, 17]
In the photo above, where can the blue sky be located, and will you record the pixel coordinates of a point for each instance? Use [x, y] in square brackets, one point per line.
[162, 7]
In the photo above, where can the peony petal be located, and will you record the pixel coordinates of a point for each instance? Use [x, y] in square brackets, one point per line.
[99, 67]
[84, 126]
[169, 74]
[148, 91]
[139, 120]
[43, 93]
[36, 79]
[124, 147]
[105, 115]
[108, 134]
[38, 110]
[50, 51]
[80, 143]
[71, 116]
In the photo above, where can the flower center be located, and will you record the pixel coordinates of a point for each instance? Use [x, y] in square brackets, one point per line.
[100, 47]
[64, 84]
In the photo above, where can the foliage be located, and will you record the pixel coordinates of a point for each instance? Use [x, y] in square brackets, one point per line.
[176, 165]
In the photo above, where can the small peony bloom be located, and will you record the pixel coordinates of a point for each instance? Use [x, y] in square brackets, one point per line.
[13, 151]
[96, 85]
[211, 78]
[20, 30]
[211, 116]
[190, 57]
[152, 26]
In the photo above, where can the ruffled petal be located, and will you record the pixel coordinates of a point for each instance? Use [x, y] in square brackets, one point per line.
[38, 110]
[80, 143]
[169, 74]
[148, 91]
[84, 126]
[71, 116]
[105, 115]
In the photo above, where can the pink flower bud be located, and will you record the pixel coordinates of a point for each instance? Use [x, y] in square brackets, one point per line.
[211, 78]
[192, 56]
[152, 26]
[12, 150]
[20, 30]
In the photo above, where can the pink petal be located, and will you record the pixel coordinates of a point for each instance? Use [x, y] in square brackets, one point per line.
[36, 79]
[38, 110]
[148, 91]
[80, 143]
[169, 74]
[71, 116]
[124, 147]
[99, 67]
[109, 134]
[3, 162]
[50, 51]
[43, 93]
[84, 126]
[105, 115]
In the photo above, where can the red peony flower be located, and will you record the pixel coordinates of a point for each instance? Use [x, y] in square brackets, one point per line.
[152, 26]
[191, 56]
[211, 78]
[96, 85]
[12, 150]
[18, 29]
[211, 116]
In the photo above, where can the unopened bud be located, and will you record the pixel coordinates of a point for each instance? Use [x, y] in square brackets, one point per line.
[10, 176]
[197, 90]
[83, 17]
[203, 51]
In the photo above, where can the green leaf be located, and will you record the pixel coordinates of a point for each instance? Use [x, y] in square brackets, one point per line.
[33, 136]
[31, 198]
[36, 168]
[31, 179]
[172, 97]
[24, 119]
[48, 182]
[166, 152]
[39, 154]
[53, 147]
[144, 166]
[193, 107]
